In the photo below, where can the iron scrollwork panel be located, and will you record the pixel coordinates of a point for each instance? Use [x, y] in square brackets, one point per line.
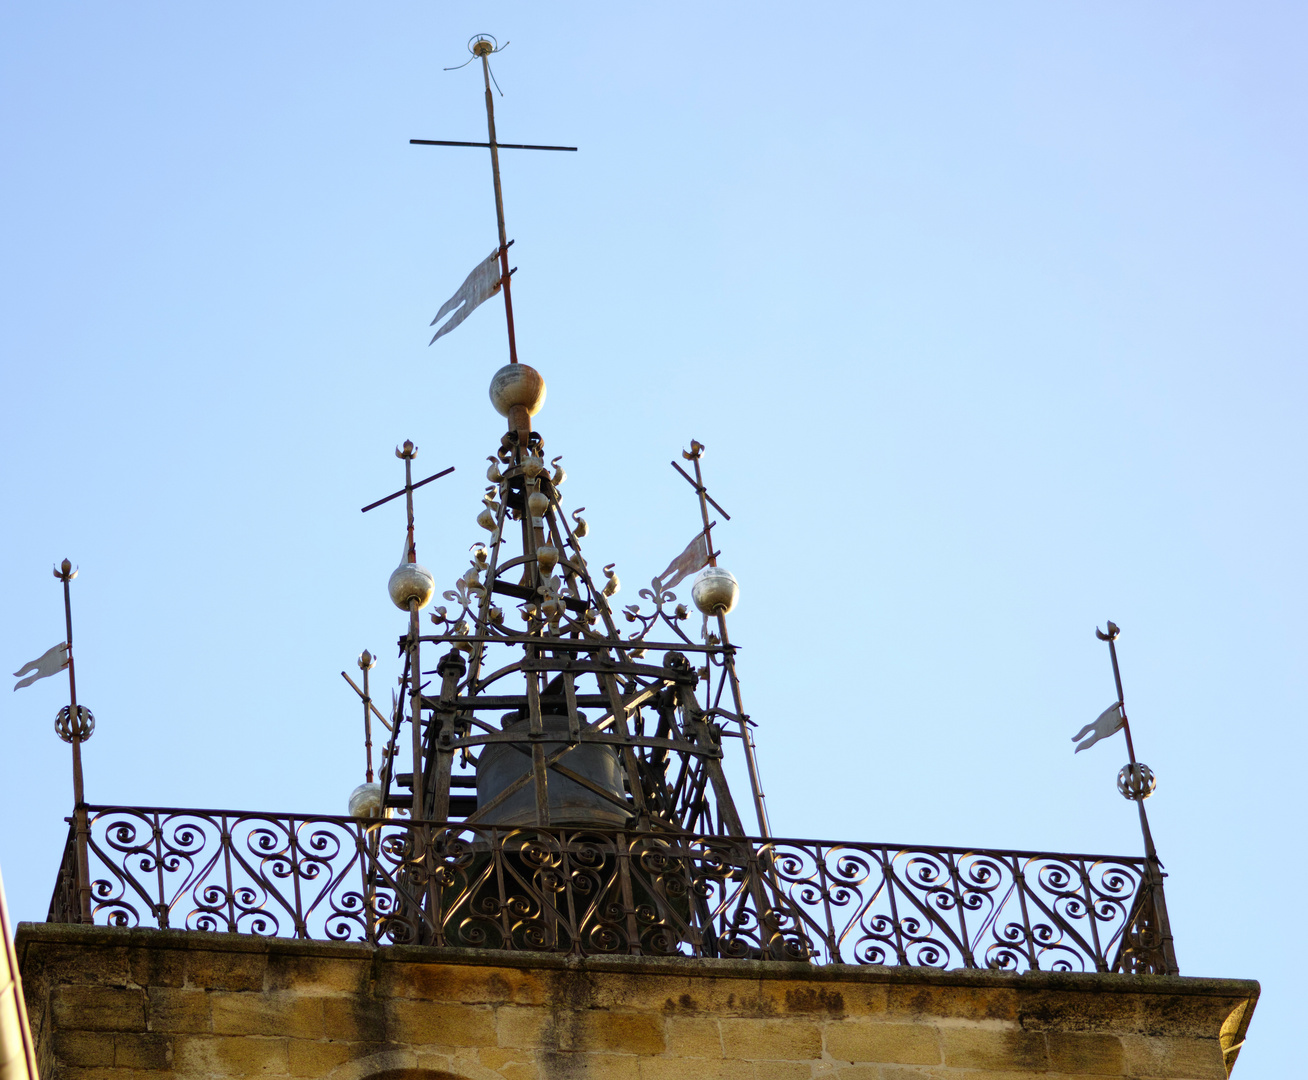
[598, 891]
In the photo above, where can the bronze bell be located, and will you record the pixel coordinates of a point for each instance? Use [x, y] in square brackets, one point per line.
[570, 803]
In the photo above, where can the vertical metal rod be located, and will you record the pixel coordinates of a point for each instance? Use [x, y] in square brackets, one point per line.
[746, 738]
[366, 663]
[1150, 852]
[65, 574]
[415, 666]
[499, 206]
[415, 716]
[1155, 870]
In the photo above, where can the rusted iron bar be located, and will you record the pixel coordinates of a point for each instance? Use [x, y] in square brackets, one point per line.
[506, 276]
[558, 644]
[397, 494]
[375, 711]
[485, 145]
[699, 489]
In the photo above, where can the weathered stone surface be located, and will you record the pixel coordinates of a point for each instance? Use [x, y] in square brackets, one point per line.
[525, 1028]
[226, 1056]
[671, 1068]
[226, 970]
[1194, 1059]
[156, 967]
[316, 974]
[462, 983]
[318, 1058]
[168, 1009]
[82, 1049]
[993, 1050]
[695, 1037]
[783, 1070]
[113, 1073]
[1088, 1054]
[771, 1040]
[98, 1008]
[441, 1023]
[589, 1066]
[142, 1051]
[893, 1044]
[494, 1057]
[202, 1006]
[880, 1072]
[629, 1033]
[282, 1013]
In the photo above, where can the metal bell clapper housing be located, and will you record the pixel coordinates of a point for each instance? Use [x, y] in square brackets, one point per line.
[411, 582]
[366, 801]
[715, 591]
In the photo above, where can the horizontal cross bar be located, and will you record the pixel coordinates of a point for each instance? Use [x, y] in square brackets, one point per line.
[397, 494]
[700, 490]
[486, 145]
[579, 644]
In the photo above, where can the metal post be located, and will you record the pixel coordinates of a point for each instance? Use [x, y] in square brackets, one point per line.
[65, 574]
[751, 761]
[366, 663]
[483, 49]
[408, 453]
[1155, 868]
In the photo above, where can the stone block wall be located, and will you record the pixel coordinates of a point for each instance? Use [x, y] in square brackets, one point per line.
[110, 1004]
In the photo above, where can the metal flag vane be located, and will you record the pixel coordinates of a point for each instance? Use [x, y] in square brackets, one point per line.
[1151, 935]
[411, 587]
[73, 723]
[715, 592]
[483, 283]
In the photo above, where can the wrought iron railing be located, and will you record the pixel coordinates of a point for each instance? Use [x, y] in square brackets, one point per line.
[592, 892]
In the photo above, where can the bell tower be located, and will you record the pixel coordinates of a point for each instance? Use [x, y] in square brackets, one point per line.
[563, 885]
[544, 706]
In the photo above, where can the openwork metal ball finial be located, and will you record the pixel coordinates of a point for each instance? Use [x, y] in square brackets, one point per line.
[81, 728]
[1136, 782]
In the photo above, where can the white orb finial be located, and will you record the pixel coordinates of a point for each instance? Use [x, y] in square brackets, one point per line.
[411, 582]
[365, 801]
[715, 590]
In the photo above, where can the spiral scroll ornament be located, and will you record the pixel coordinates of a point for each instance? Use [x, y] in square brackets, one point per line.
[81, 727]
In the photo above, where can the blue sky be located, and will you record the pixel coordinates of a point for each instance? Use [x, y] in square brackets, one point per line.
[991, 317]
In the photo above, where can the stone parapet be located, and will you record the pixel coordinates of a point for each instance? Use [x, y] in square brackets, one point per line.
[118, 1004]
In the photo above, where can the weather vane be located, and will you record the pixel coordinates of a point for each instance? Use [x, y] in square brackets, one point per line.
[1136, 782]
[411, 587]
[493, 273]
[74, 724]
